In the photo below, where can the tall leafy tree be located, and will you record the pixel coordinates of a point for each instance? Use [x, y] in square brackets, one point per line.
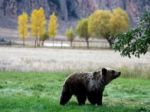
[107, 24]
[70, 35]
[52, 28]
[99, 24]
[23, 26]
[38, 22]
[119, 22]
[82, 30]
[136, 41]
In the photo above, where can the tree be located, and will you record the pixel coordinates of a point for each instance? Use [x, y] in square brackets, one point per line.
[23, 26]
[70, 35]
[99, 24]
[106, 24]
[82, 30]
[44, 37]
[38, 22]
[136, 41]
[52, 26]
[119, 22]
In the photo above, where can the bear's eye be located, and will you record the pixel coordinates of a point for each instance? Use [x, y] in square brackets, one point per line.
[113, 72]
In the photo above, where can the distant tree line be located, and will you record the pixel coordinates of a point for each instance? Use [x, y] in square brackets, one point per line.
[103, 24]
[100, 24]
[37, 25]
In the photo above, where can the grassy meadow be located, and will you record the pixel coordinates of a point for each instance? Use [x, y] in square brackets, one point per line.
[40, 92]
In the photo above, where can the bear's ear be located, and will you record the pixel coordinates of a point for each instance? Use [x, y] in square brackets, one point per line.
[95, 73]
[104, 71]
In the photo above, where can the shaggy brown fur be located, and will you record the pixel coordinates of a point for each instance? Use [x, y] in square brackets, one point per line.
[87, 85]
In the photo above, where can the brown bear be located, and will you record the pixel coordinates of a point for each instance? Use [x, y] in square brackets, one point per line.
[87, 85]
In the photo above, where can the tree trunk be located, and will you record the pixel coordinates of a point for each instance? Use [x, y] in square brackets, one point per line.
[42, 43]
[71, 43]
[35, 44]
[87, 42]
[53, 42]
[38, 42]
[23, 42]
[110, 41]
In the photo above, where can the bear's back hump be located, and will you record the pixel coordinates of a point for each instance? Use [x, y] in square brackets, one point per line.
[77, 78]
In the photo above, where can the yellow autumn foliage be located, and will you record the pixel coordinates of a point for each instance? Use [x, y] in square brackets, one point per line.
[52, 28]
[38, 23]
[70, 35]
[106, 24]
[119, 21]
[82, 30]
[99, 23]
[23, 26]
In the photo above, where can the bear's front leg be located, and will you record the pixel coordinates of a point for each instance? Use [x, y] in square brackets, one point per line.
[92, 97]
[99, 98]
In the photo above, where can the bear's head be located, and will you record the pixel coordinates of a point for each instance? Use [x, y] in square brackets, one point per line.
[109, 74]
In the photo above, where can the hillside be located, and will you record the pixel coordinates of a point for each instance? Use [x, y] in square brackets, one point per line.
[67, 10]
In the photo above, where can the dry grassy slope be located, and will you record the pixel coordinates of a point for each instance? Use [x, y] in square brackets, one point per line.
[44, 59]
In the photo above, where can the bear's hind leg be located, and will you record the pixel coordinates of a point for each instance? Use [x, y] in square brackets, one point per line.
[65, 97]
[81, 99]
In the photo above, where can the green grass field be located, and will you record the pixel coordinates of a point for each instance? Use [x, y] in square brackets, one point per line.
[40, 92]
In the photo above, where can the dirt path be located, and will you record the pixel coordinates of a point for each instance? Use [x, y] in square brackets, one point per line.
[46, 59]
